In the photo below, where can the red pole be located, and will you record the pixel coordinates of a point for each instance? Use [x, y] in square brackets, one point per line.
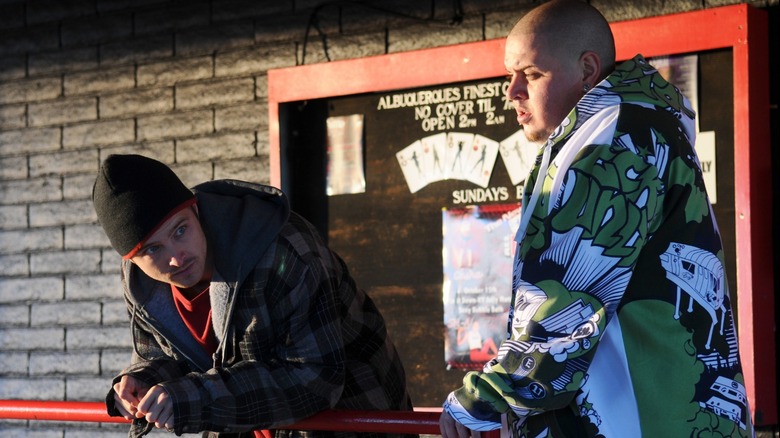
[423, 421]
[57, 411]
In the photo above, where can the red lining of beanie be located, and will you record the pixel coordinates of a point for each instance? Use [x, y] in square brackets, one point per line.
[140, 244]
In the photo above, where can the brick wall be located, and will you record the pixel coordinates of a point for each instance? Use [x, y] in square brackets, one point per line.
[181, 81]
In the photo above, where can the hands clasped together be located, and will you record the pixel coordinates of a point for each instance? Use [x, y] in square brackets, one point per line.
[134, 399]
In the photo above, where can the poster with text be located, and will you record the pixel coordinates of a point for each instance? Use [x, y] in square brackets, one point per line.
[477, 250]
[345, 155]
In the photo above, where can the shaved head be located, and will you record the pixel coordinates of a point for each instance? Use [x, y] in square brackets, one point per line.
[569, 28]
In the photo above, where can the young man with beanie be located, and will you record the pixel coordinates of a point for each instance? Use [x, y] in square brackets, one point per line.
[242, 319]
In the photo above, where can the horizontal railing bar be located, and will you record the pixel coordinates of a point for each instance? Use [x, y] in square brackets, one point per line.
[422, 421]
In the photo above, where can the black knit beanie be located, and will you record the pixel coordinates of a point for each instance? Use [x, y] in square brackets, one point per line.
[132, 196]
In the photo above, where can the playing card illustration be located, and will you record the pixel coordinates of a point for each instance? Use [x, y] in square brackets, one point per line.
[481, 159]
[458, 150]
[411, 160]
[434, 150]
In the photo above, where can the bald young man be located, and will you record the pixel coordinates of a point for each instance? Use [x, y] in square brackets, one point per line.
[620, 322]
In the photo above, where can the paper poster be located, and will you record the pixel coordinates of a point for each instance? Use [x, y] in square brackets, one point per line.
[477, 251]
[345, 155]
[705, 150]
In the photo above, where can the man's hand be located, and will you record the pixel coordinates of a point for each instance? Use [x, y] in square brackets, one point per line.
[157, 408]
[128, 393]
[452, 429]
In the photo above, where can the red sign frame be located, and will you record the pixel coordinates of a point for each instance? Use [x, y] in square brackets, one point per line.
[741, 28]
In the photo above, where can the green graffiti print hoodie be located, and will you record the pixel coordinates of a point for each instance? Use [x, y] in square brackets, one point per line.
[621, 322]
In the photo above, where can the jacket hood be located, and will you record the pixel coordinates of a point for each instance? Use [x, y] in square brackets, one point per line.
[633, 82]
[240, 220]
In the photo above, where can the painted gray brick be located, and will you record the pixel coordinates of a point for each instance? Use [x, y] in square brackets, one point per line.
[65, 262]
[31, 339]
[7, 430]
[13, 363]
[176, 17]
[12, 15]
[261, 88]
[114, 361]
[94, 287]
[144, 101]
[18, 241]
[356, 46]
[110, 430]
[195, 173]
[115, 312]
[159, 150]
[236, 9]
[88, 388]
[115, 5]
[61, 213]
[63, 60]
[105, 337]
[13, 216]
[111, 262]
[79, 186]
[30, 141]
[101, 80]
[254, 169]
[13, 67]
[59, 111]
[252, 116]
[422, 37]
[254, 60]
[30, 39]
[20, 290]
[102, 132]
[223, 146]
[136, 50]
[32, 389]
[215, 92]
[171, 71]
[97, 29]
[50, 363]
[178, 124]
[63, 163]
[215, 38]
[31, 190]
[13, 168]
[30, 90]
[14, 315]
[40, 11]
[14, 265]
[13, 116]
[282, 28]
[65, 313]
[85, 236]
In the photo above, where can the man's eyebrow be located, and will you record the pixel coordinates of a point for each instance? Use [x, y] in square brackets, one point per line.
[173, 228]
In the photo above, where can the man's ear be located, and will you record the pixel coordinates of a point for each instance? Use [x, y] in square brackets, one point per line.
[590, 62]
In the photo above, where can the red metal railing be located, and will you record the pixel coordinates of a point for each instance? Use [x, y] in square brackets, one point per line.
[421, 421]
